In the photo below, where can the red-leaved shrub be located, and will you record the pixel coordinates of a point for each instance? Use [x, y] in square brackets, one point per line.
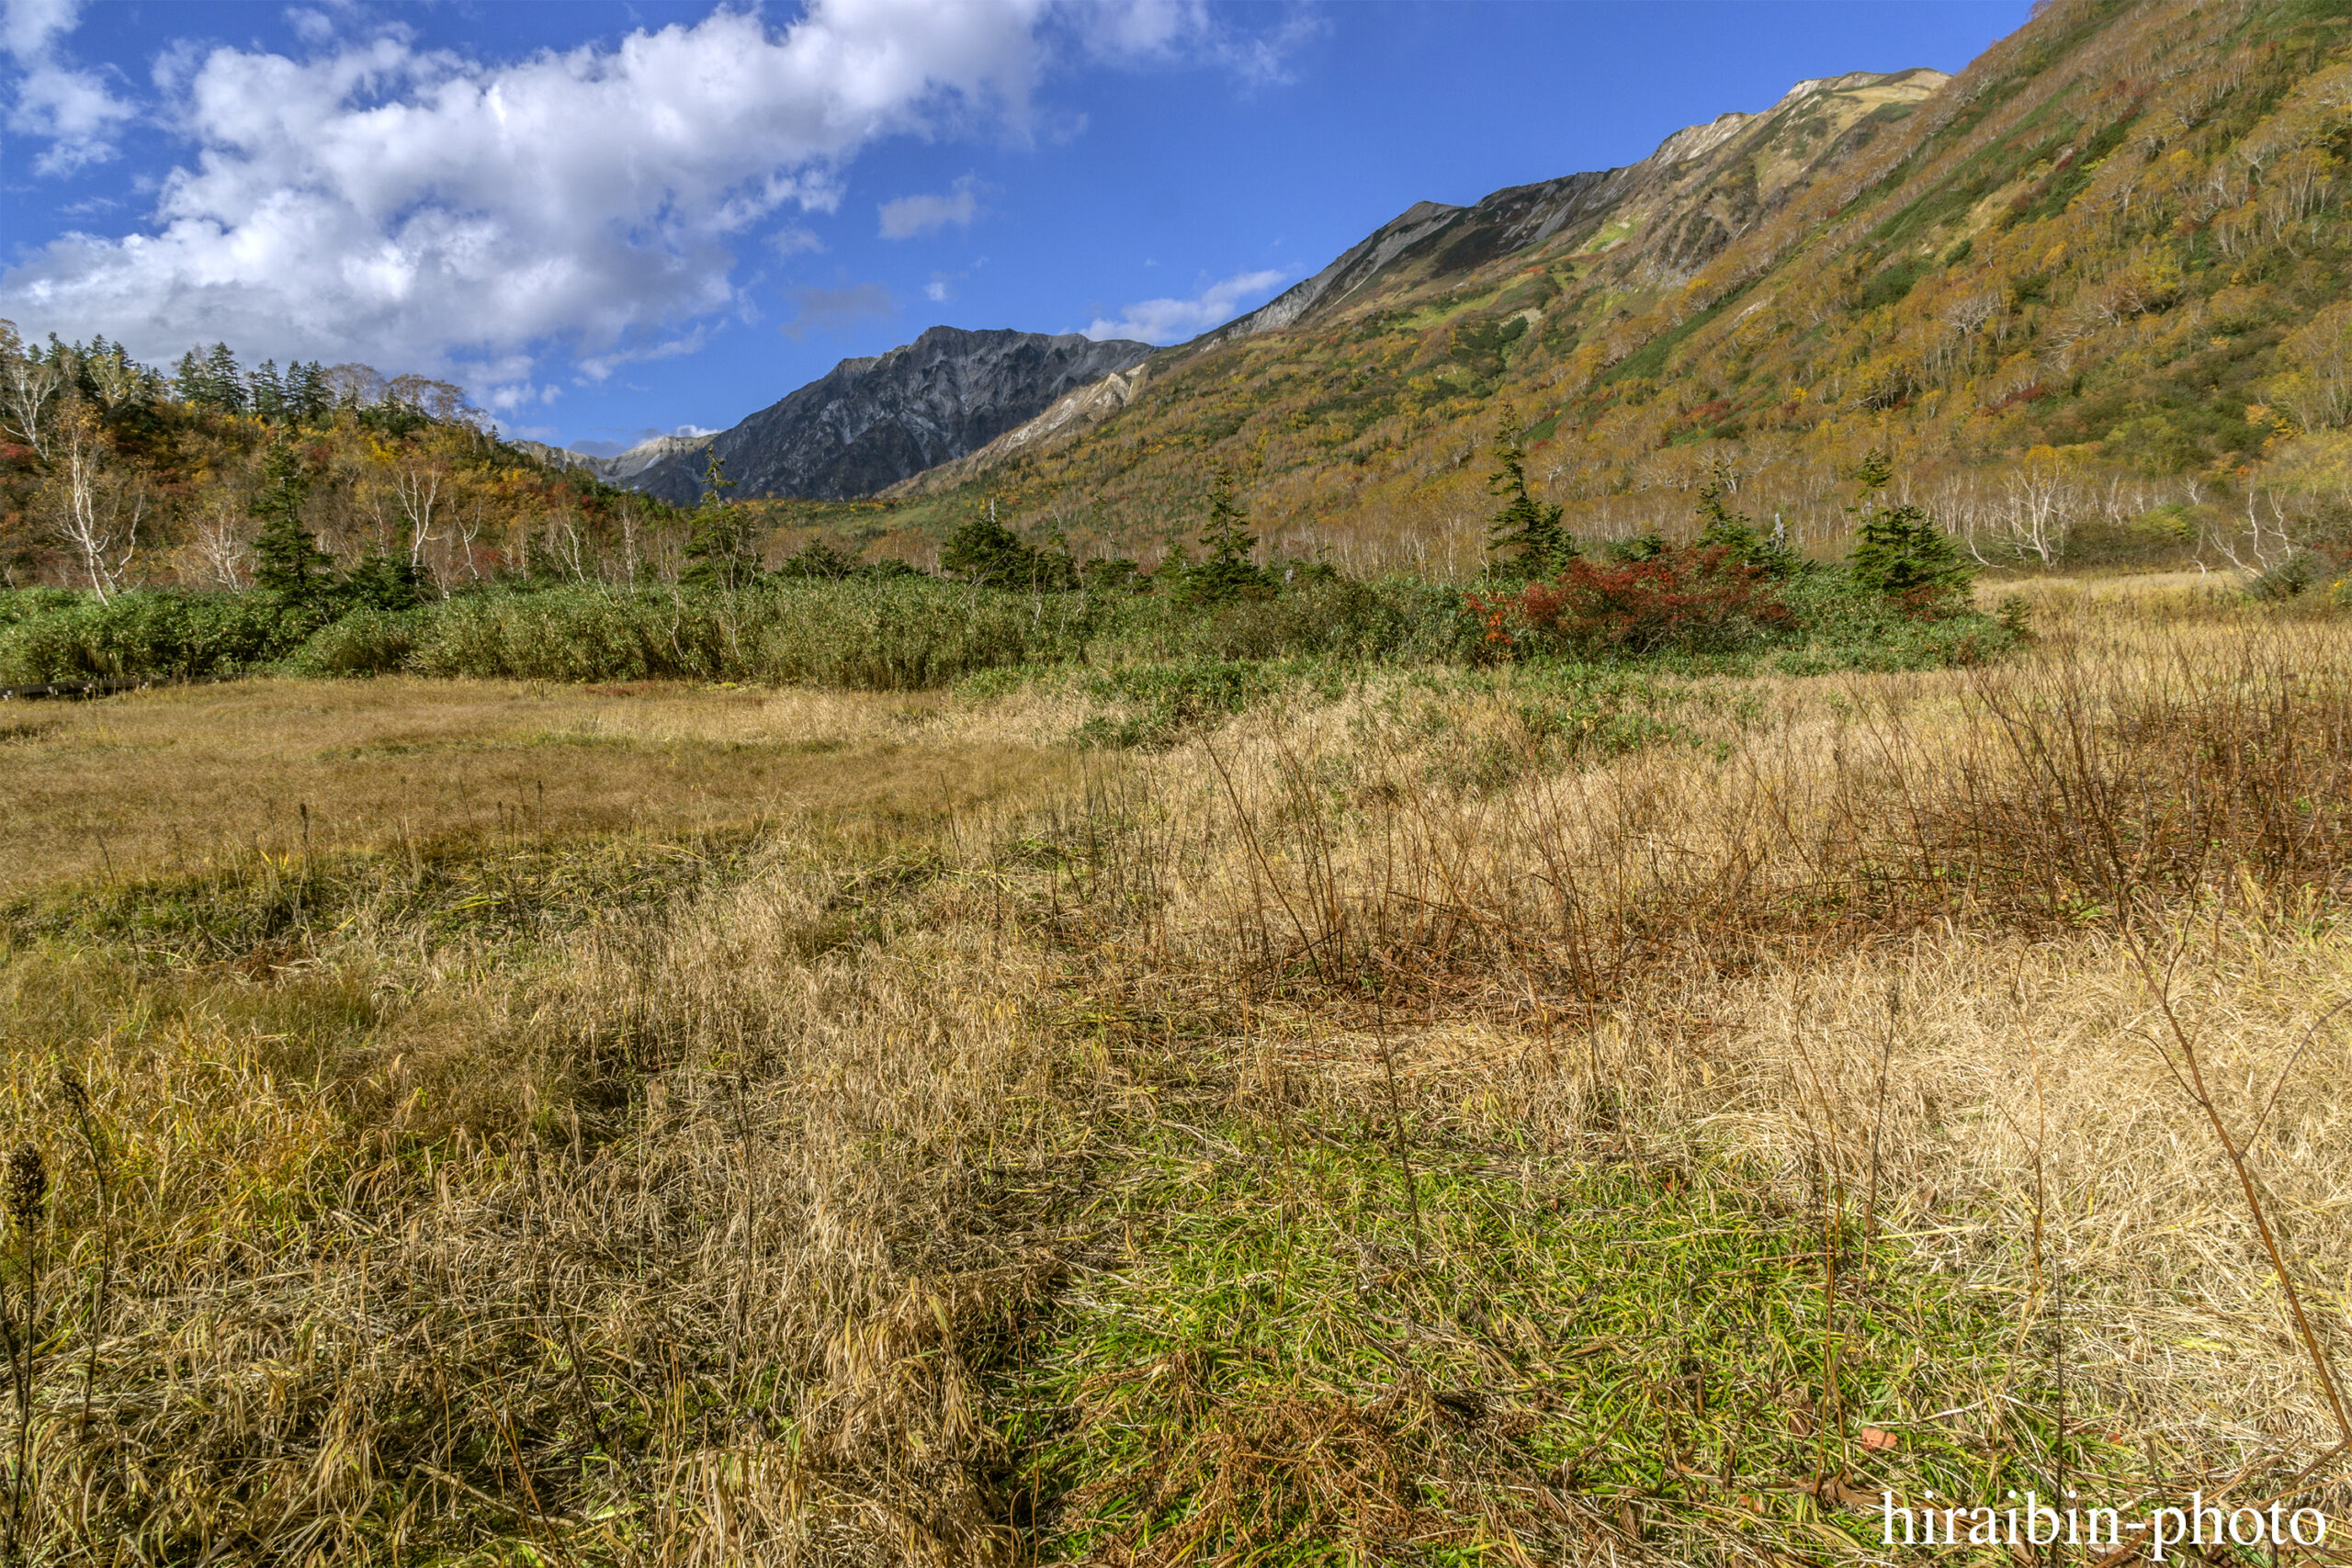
[1685, 599]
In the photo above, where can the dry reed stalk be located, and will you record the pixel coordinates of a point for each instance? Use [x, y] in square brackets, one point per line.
[96, 1148]
[1396, 1120]
[2186, 1063]
[28, 1197]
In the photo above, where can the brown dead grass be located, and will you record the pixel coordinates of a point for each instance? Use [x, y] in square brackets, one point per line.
[788, 1156]
[738, 1300]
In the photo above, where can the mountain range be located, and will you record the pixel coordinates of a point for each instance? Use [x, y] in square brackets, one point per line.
[872, 422]
[2102, 275]
[2109, 255]
[878, 424]
[1536, 253]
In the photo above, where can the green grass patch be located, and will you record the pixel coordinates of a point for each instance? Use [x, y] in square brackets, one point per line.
[1273, 1362]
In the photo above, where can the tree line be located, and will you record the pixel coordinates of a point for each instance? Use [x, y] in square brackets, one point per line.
[114, 474]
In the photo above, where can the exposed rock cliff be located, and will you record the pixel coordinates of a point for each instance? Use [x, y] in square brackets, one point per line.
[1086, 406]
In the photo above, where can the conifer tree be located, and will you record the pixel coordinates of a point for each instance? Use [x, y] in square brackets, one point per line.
[1526, 536]
[1898, 550]
[1227, 571]
[384, 581]
[268, 390]
[1173, 569]
[286, 559]
[985, 551]
[189, 383]
[224, 384]
[308, 398]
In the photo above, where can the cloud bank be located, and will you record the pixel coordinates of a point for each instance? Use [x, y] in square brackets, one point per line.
[1173, 320]
[382, 199]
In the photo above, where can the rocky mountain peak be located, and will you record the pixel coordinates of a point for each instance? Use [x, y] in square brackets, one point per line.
[869, 423]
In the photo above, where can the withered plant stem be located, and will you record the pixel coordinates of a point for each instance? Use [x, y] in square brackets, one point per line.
[94, 1143]
[1877, 1116]
[28, 1192]
[1259, 866]
[2191, 1064]
[1396, 1120]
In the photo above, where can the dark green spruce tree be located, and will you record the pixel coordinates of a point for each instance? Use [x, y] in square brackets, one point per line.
[308, 399]
[984, 551]
[1226, 570]
[189, 383]
[1526, 539]
[224, 384]
[287, 559]
[268, 392]
[383, 581]
[1898, 549]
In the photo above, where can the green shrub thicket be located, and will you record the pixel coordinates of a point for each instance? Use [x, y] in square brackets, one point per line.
[50, 634]
[886, 635]
[875, 633]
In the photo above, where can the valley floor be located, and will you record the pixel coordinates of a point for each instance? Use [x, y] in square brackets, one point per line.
[1428, 1117]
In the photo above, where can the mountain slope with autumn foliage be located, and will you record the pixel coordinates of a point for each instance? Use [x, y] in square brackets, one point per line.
[2096, 283]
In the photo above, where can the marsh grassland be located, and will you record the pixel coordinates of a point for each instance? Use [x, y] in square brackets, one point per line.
[1424, 1116]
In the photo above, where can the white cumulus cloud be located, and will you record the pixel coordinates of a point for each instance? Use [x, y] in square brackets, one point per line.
[1172, 321]
[389, 201]
[908, 216]
[27, 27]
[71, 109]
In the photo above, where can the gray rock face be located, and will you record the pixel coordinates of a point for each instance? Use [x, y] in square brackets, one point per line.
[870, 422]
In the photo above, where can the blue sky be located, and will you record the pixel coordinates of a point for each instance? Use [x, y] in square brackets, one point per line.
[611, 220]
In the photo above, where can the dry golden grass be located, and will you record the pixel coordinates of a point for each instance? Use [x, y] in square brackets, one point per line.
[852, 1129]
[1711, 943]
[749, 1279]
[133, 783]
